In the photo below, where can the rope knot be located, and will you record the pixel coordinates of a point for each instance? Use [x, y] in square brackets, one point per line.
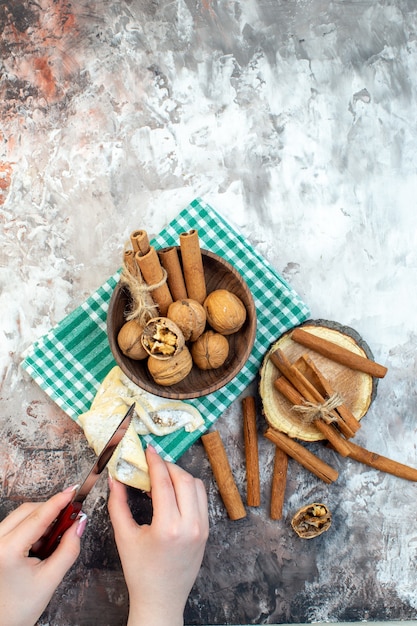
[142, 308]
[311, 411]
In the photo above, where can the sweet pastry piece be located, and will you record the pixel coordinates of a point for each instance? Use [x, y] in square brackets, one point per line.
[153, 414]
[128, 463]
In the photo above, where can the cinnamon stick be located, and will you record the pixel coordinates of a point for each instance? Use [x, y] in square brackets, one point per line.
[338, 353]
[350, 424]
[219, 462]
[279, 482]
[140, 241]
[192, 265]
[250, 436]
[309, 393]
[171, 263]
[284, 386]
[153, 275]
[382, 463]
[303, 386]
[303, 456]
[130, 263]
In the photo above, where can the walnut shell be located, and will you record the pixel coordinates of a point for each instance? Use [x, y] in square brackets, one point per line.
[190, 317]
[225, 312]
[129, 340]
[162, 339]
[210, 350]
[169, 371]
[311, 520]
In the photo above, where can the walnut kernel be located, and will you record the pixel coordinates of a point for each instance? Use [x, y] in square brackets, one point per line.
[161, 338]
[311, 520]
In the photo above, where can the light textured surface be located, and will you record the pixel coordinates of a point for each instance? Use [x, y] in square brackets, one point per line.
[296, 121]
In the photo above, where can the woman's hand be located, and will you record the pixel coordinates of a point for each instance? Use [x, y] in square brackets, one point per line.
[161, 561]
[26, 583]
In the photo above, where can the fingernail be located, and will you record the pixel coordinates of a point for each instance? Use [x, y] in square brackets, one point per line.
[69, 489]
[151, 448]
[82, 523]
[110, 481]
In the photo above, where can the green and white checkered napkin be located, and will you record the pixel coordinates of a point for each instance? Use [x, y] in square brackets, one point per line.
[70, 362]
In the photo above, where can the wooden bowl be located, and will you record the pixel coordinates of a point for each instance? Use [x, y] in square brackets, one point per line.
[219, 274]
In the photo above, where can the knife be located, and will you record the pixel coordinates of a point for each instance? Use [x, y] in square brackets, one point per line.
[49, 542]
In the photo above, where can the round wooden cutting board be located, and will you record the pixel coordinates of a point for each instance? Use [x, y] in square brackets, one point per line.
[356, 388]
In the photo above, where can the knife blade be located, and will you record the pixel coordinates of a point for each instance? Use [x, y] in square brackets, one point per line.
[50, 540]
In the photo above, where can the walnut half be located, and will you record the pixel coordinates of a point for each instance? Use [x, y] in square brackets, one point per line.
[311, 520]
[162, 339]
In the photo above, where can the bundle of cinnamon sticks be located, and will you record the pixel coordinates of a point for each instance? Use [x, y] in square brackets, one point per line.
[159, 277]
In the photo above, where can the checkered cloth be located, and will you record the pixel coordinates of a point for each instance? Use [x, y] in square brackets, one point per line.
[71, 360]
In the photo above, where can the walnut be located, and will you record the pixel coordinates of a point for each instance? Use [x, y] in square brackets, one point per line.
[225, 312]
[162, 339]
[169, 371]
[311, 520]
[129, 340]
[210, 350]
[190, 317]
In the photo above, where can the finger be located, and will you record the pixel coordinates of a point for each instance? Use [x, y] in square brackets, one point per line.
[191, 497]
[187, 491]
[56, 566]
[36, 523]
[201, 494]
[164, 500]
[118, 507]
[17, 516]
[203, 506]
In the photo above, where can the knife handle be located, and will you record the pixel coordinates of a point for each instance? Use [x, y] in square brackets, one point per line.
[50, 540]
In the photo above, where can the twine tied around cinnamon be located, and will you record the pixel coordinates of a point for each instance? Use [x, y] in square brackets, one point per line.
[143, 308]
[311, 411]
